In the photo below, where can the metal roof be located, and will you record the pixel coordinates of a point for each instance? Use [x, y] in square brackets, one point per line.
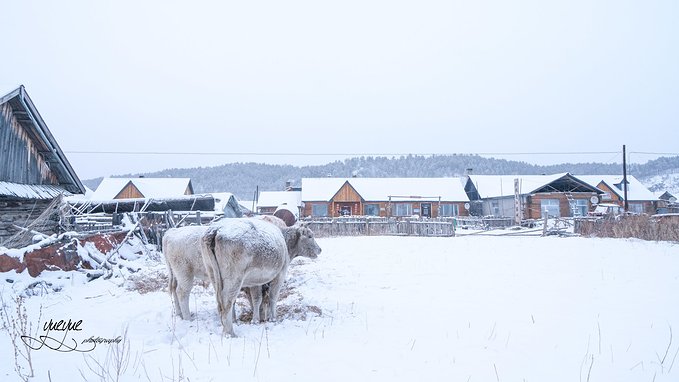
[30, 191]
[498, 186]
[28, 116]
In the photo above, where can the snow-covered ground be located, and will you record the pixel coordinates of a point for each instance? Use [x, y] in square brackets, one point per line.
[386, 308]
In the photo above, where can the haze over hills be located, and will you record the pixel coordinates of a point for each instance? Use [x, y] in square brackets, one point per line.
[242, 179]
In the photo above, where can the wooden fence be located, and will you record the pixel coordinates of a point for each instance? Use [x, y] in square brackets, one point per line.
[381, 227]
[656, 227]
[483, 223]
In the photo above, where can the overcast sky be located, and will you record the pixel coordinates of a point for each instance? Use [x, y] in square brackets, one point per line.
[312, 77]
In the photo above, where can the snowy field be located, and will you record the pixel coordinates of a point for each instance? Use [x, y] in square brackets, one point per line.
[384, 309]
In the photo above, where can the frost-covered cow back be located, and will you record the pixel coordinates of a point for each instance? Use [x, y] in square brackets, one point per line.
[244, 253]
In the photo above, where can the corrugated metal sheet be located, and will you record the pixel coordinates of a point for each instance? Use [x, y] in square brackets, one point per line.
[30, 191]
[28, 145]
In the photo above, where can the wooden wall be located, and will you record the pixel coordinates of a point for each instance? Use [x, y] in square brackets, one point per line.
[359, 208]
[21, 213]
[533, 208]
[267, 210]
[347, 194]
[308, 207]
[20, 157]
[130, 191]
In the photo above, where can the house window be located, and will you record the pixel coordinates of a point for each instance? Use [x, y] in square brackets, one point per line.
[449, 210]
[550, 207]
[579, 207]
[372, 209]
[495, 208]
[319, 210]
[637, 208]
[402, 209]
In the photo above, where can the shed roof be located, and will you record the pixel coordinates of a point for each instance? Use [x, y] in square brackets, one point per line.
[278, 198]
[380, 189]
[497, 186]
[31, 191]
[149, 187]
[635, 189]
[28, 116]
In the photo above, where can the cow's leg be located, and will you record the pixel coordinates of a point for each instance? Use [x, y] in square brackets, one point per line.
[275, 287]
[229, 293]
[265, 302]
[183, 294]
[255, 295]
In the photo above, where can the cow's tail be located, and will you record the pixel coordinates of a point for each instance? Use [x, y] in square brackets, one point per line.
[172, 280]
[212, 265]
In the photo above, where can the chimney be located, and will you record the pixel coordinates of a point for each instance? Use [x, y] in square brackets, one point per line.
[464, 178]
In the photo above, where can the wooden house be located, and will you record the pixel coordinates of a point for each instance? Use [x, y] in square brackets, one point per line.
[558, 195]
[667, 203]
[145, 188]
[385, 197]
[33, 168]
[639, 198]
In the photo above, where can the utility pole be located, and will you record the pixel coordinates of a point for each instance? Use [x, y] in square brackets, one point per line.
[624, 177]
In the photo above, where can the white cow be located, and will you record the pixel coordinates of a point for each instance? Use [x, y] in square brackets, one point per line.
[250, 253]
[181, 247]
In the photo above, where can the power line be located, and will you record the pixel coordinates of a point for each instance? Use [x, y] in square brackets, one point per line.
[219, 153]
[651, 153]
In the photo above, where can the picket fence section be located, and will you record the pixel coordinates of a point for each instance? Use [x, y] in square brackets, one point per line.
[381, 227]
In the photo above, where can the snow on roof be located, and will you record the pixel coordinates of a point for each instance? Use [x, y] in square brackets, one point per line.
[31, 191]
[380, 189]
[221, 199]
[277, 198]
[149, 187]
[635, 189]
[320, 189]
[495, 186]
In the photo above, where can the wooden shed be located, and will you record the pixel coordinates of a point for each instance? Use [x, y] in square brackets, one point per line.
[34, 171]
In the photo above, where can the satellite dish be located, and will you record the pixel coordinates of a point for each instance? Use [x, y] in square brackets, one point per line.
[466, 206]
[672, 199]
[594, 199]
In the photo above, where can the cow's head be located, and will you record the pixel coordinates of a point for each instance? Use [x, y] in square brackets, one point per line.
[301, 242]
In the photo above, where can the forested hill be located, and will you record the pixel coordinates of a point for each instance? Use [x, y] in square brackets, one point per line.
[243, 178]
